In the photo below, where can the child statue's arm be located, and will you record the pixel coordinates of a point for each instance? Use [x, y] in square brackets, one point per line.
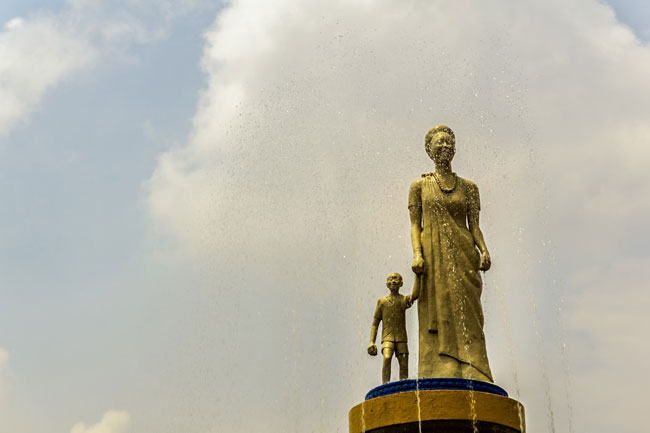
[372, 347]
[416, 290]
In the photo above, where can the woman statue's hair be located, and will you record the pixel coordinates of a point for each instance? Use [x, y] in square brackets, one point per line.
[433, 131]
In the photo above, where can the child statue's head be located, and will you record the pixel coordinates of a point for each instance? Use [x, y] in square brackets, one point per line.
[394, 282]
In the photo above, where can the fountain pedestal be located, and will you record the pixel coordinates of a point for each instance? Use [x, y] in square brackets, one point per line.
[437, 405]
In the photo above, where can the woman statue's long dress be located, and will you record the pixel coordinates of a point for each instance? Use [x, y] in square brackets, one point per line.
[445, 233]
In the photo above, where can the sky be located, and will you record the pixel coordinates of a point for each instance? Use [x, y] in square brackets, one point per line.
[201, 201]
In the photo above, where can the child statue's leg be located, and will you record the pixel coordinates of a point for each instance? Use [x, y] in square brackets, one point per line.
[403, 359]
[402, 351]
[387, 351]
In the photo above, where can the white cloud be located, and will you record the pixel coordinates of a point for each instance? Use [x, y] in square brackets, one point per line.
[305, 78]
[42, 50]
[113, 421]
[312, 124]
[609, 314]
[14, 23]
[36, 54]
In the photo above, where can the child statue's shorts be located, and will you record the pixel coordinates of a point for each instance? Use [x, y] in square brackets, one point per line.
[400, 347]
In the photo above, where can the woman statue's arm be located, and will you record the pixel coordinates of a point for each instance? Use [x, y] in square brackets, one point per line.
[416, 231]
[415, 213]
[475, 229]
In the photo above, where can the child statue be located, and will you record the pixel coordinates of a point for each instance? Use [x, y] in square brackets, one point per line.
[391, 310]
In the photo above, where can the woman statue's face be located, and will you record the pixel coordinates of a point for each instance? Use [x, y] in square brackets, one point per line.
[443, 148]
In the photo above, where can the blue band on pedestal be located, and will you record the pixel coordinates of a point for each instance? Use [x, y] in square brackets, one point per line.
[437, 383]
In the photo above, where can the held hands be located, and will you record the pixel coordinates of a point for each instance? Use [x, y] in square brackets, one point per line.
[372, 349]
[485, 261]
[418, 264]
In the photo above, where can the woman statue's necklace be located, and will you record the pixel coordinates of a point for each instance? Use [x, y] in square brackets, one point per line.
[442, 188]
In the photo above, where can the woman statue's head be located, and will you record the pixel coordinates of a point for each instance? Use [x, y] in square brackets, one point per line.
[440, 144]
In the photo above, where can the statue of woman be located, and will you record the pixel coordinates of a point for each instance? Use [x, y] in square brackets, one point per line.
[445, 234]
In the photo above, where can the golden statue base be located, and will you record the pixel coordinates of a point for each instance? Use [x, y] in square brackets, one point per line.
[439, 411]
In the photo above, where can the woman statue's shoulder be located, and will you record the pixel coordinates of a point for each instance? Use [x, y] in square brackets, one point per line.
[415, 193]
[467, 184]
[417, 183]
[471, 193]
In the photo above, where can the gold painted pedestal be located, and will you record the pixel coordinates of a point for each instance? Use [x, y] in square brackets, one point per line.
[439, 411]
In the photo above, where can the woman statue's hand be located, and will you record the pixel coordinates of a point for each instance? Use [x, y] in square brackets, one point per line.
[485, 261]
[418, 264]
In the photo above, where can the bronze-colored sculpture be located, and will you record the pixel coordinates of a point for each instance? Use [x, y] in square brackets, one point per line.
[391, 310]
[452, 392]
[444, 211]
